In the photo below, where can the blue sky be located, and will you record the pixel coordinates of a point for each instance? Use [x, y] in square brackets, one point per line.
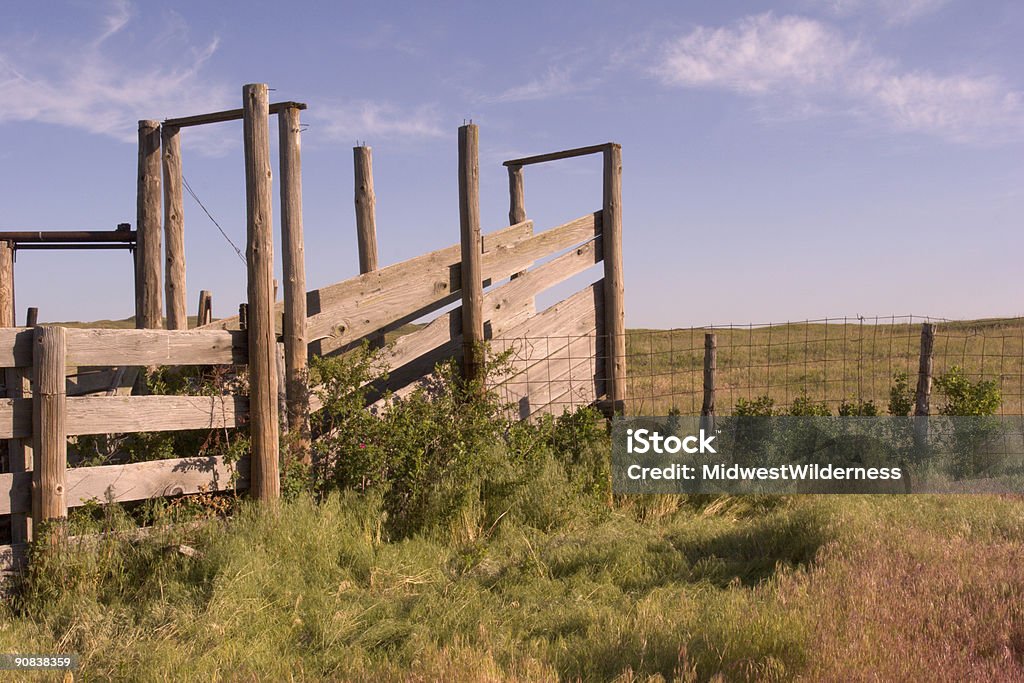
[785, 161]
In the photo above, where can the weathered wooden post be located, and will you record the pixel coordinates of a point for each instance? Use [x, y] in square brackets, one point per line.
[294, 269]
[922, 397]
[366, 208]
[472, 281]
[265, 483]
[6, 284]
[174, 230]
[31, 316]
[17, 381]
[204, 316]
[614, 290]
[707, 409]
[49, 432]
[516, 195]
[148, 305]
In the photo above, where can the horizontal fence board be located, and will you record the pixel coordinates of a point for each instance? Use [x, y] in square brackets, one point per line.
[118, 380]
[154, 479]
[16, 347]
[440, 264]
[133, 481]
[15, 492]
[15, 418]
[548, 384]
[350, 310]
[115, 414]
[156, 347]
[567, 395]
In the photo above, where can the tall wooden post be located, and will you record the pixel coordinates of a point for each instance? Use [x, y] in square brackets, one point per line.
[31, 316]
[17, 381]
[922, 397]
[174, 230]
[265, 483]
[472, 280]
[614, 290]
[366, 208]
[516, 195]
[6, 284]
[49, 430]
[294, 268]
[148, 305]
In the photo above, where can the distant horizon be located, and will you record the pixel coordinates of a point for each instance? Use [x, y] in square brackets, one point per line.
[821, 158]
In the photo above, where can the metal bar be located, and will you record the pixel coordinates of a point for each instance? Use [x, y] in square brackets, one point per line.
[229, 115]
[48, 236]
[554, 156]
[49, 246]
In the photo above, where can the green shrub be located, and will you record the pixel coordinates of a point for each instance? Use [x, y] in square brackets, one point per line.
[762, 406]
[967, 398]
[804, 406]
[901, 396]
[858, 408]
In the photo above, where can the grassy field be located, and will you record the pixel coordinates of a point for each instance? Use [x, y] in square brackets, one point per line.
[831, 362]
[534, 578]
[667, 588]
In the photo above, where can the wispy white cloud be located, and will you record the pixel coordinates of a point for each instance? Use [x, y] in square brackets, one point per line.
[893, 12]
[85, 85]
[555, 82]
[374, 120]
[807, 66]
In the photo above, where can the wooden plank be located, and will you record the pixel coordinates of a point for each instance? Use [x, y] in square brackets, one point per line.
[563, 376]
[366, 208]
[227, 115]
[16, 347]
[266, 484]
[155, 347]
[148, 294]
[116, 414]
[15, 418]
[567, 395]
[13, 558]
[422, 289]
[107, 381]
[133, 481]
[614, 327]
[423, 279]
[554, 156]
[174, 230]
[293, 378]
[49, 425]
[204, 316]
[154, 479]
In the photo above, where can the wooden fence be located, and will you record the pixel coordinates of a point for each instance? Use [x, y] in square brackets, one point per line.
[495, 277]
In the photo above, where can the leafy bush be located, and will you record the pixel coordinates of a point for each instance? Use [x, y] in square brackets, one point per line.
[762, 406]
[858, 408]
[448, 453]
[804, 406]
[901, 395]
[966, 398]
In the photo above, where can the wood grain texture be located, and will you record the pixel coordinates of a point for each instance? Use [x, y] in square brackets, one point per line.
[134, 481]
[49, 426]
[156, 347]
[516, 195]
[614, 289]
[228, 115]
[260, 259]
[423, 283]
[148, 293]
[403, 292]
[472, 272]
[16, 347]
[555, 156]
[109, 381]
[174, 230]
[293, 257]
[366, 208]
[15, 418]
[6, 284]
[115, 414]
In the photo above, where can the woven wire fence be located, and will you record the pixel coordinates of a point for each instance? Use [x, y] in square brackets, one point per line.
[831, 360]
